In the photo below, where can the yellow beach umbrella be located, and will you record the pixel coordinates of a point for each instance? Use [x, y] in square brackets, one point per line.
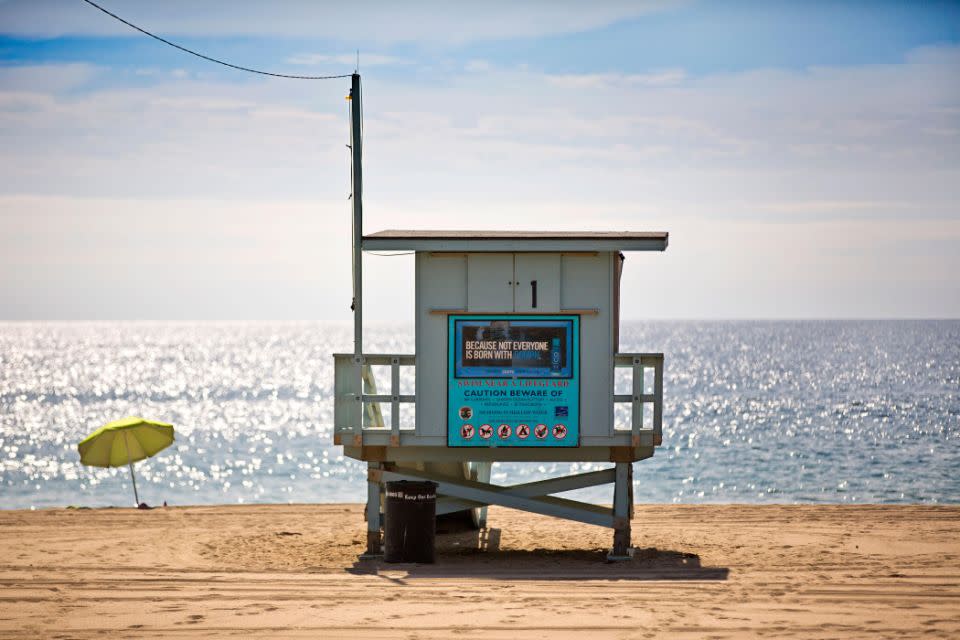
[124, 442]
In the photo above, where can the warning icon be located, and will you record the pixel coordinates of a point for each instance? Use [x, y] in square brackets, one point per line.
[559, 431]
[504, 431]
[466, 431]
[523, 430]
[541, 431]
[486, 431]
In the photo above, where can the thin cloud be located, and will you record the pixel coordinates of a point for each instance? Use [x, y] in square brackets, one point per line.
[663, 78]
[378, 21]
[477, 66]
[365, 59]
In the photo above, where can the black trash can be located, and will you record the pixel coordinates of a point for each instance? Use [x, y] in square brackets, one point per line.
[409, 526]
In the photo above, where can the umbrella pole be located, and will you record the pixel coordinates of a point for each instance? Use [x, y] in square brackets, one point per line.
[133, 478]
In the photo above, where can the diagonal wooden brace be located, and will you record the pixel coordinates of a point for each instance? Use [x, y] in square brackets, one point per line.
[462, 494]
[533, 489]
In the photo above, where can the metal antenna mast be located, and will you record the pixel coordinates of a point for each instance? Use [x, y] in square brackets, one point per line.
[356, 154]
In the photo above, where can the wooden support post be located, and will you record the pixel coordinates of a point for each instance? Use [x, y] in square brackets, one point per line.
[481, 473]
[622, 499]
[636, 411]
[374, 525]
[394, 402]
[658, 403]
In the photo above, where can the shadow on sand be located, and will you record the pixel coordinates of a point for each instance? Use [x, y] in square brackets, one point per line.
[477, 554]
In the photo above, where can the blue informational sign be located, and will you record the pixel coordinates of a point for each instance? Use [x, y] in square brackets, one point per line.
[513, 381]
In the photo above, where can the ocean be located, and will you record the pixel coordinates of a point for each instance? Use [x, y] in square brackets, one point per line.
[755, 412]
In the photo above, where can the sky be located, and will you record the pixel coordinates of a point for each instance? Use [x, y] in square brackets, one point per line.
[804, 156]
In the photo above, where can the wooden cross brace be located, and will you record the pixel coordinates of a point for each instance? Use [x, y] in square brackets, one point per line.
[459, 494]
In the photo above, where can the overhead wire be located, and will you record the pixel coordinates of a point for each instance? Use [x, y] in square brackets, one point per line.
[208, 58]
[239, 68]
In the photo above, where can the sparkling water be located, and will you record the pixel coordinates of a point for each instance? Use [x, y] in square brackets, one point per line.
[819, 411]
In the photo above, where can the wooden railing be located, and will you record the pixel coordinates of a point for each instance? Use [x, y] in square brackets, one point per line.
[358, 401]
[640, 363]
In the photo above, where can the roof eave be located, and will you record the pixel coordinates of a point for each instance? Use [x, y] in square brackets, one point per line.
[480, 245]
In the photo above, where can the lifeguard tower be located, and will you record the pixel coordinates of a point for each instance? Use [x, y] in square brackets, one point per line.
[517, 341]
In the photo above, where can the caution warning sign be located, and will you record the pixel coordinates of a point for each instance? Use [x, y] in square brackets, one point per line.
[511, 379]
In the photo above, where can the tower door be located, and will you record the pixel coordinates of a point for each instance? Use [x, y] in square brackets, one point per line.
[536, 283]
[489, 282]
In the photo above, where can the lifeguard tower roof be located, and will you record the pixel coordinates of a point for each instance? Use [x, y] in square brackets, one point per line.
[526, 241]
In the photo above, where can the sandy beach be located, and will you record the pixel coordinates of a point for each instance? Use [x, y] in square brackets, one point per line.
[716, 571]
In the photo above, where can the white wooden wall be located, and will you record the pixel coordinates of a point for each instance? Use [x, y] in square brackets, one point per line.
[500, 283]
